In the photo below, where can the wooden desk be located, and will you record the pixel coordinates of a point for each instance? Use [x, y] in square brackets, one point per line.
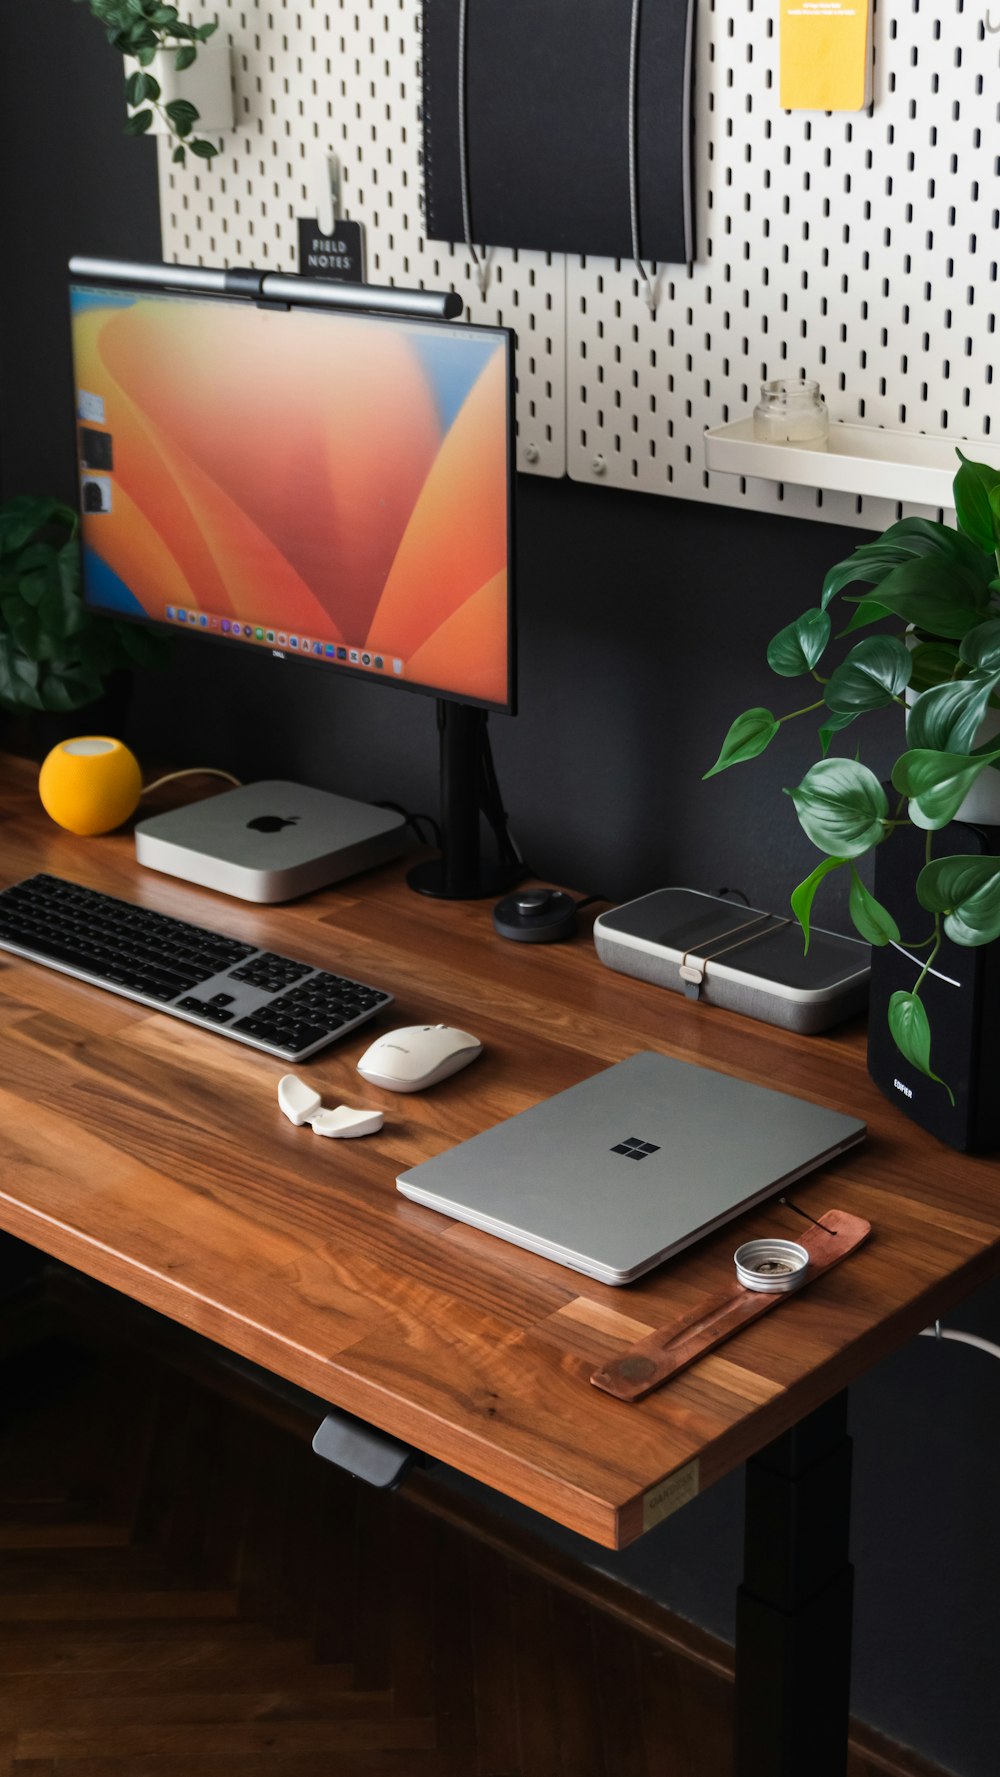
[152, 1156]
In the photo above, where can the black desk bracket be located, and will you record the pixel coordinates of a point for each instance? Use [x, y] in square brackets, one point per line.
[362, 1451]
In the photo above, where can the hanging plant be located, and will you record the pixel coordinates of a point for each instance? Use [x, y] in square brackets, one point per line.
[151, 33]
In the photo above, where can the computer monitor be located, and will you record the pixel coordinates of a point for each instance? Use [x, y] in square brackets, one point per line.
[265, 467]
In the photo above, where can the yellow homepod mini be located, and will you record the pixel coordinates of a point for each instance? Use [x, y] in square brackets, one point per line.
[91, 784]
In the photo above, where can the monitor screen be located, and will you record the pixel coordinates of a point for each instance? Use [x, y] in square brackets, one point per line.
[323, 484]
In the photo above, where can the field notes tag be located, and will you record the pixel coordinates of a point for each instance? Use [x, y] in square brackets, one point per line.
[826, 55]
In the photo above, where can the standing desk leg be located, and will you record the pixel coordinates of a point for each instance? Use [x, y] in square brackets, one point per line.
[793, 1612]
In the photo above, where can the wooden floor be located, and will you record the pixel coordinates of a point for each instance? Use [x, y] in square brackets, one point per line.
[185, 1591]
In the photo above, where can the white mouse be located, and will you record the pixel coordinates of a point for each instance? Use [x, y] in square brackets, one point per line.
[419, 1055]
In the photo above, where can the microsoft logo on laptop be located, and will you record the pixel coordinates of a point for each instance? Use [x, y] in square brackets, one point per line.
[634, 1149]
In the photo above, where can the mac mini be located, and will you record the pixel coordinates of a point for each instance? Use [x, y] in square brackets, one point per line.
[271, 841]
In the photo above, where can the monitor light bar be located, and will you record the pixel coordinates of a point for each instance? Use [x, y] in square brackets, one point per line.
[267, 286]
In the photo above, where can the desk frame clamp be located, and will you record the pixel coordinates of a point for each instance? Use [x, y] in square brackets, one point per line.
[357, 1448]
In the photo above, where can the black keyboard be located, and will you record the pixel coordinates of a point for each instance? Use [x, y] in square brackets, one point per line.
[288, 1008]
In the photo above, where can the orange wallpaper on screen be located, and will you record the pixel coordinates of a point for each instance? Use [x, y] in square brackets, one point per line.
[296, 471]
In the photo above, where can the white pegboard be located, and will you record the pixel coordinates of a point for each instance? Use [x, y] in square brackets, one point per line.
[344, 76]
[860, 248]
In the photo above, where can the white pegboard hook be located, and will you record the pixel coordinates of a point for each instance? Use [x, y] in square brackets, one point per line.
[324, 183]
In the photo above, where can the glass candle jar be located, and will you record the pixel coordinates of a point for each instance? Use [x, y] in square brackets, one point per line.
[792, 411]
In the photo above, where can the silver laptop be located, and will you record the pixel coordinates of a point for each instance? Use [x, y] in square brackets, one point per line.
[616, 1174]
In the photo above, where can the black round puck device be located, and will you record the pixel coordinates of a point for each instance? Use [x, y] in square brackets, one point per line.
[535, 916]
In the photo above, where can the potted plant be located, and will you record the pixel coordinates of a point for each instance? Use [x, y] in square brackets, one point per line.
[163, 97]
[55, 654]
[935, 596]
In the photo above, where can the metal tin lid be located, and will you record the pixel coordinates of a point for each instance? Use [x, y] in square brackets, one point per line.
[773, 1265]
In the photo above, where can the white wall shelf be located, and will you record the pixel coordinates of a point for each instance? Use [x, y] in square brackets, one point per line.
[910, 466]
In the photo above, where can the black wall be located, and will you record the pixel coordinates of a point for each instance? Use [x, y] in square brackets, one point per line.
[643, 624]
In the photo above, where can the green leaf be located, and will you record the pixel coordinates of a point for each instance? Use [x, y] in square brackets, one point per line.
[833, 725]
[936, 596]
[911, 1032]
[138, 123]
[748, 736]
[871, 563]
[802, 897]
[22, 604]
[204, 32]
[796, 648]
[136, 646]
[937, 783]
[841, 807]
[179, 155]
[967, 891]
[140, 87]
[62, 613]
[68, 562]
[871, 919]
[905, 541]
[866, 612]
[69, 689]
[980, 648]
[934, 663]
[973, 485]
[947, 718]
[185, 57]
[204, 150]
[18, 678]
[875, 672]
[181, 111]
[25, 514]
[32, 569]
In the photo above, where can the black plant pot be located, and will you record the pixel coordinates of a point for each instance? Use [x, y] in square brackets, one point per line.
[961, 998]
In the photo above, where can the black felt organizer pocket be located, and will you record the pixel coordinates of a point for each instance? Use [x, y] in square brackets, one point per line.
[547, 107]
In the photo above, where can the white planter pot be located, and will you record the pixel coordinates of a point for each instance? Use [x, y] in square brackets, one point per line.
[207, 85]
[982, 805]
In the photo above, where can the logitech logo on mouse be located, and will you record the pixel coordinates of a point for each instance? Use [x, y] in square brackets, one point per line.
[272, 823]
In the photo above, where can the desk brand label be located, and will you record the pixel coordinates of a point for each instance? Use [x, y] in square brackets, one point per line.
[668, 1497]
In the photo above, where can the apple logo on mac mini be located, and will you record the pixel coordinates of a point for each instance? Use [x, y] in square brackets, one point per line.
[272, 823]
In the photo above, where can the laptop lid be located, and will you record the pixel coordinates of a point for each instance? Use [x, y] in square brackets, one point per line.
[617, 1173]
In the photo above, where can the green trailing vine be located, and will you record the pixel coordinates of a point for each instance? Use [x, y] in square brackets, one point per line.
[937, 600]
[142, 29]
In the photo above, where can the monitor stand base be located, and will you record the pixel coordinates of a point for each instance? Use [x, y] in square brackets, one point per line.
[430, 878]
[271, 841]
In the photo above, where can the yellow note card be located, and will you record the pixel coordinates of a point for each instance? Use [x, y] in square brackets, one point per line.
[825, 55]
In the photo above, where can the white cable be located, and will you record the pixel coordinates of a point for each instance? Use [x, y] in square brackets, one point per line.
[482, 265]
[192, 771]
[649, 291]
[937, 1331]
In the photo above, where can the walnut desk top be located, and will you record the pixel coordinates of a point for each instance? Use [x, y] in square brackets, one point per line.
[152, 1155]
